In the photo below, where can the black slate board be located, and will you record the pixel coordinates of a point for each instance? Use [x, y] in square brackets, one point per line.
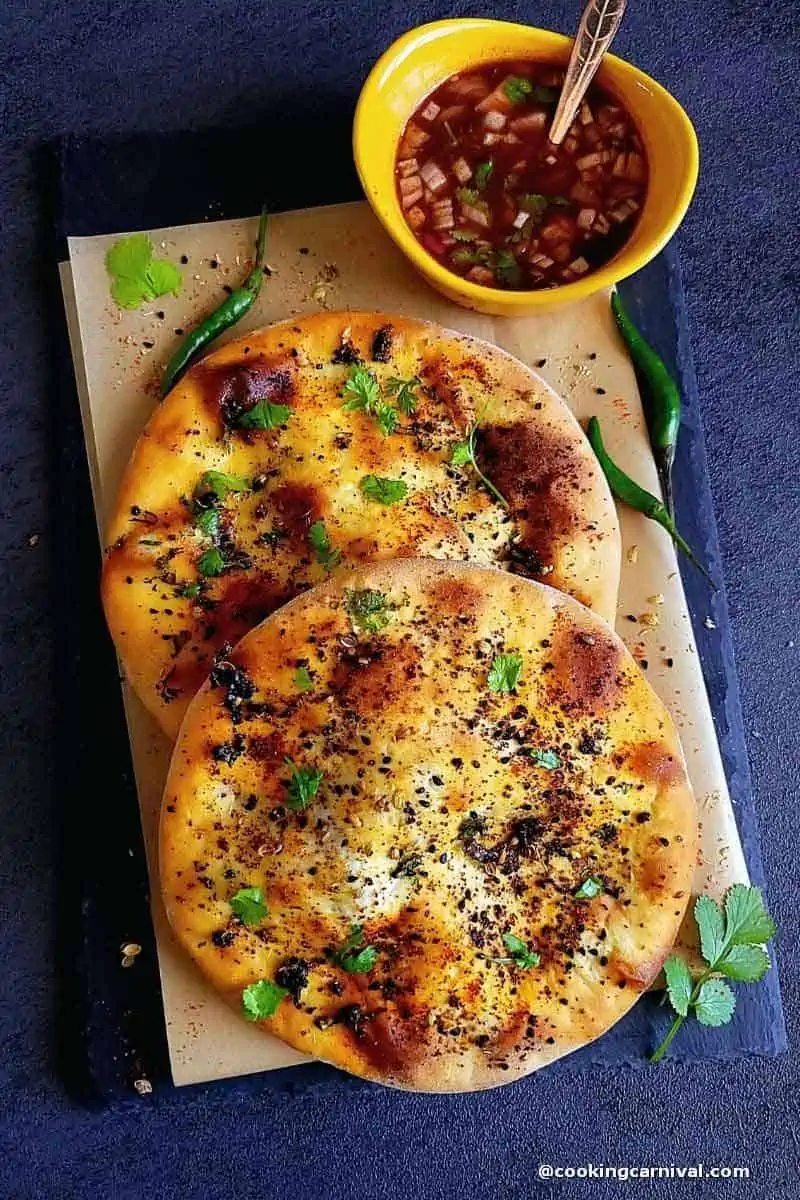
[111, 1020]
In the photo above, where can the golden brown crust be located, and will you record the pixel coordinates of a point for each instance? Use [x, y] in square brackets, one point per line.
[448, 816]
[562, 526]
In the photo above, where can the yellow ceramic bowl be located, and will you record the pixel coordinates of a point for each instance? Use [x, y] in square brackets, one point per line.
[425, 57]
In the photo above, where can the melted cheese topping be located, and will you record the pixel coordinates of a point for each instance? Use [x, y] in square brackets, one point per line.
[448, 817]
[168, 619]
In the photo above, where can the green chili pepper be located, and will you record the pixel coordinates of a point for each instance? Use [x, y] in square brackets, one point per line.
[660, 396]
[630, 493]
[232, 309]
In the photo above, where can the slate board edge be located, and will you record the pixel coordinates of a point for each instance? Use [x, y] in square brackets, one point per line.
[113, 1034]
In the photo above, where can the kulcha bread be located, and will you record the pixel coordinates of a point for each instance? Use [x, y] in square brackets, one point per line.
[307, 447]
[465, 815]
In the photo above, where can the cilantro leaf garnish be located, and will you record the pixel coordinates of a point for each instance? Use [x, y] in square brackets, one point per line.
[219, 484]
[191, 591]
[302, 786]
[746, 964]
[320, 543]
[264, 415]
[731, 943]
[679, 984]
[746, 917]
[518, 953]
[590, 888]
[353, 956]
[261, 999]
[302, 679]
[385, 491]
[504, 672]
[536, 203]
[463, 453]
[211, 563]
[207, 521]
[367, 609]
[711, 926]
[466, 255]
[546, 758]
[163, 276]
[361, 390]
[517, 89]
[386, 417]
[507, 269]
[248, 905]
[363, 394]
[403, 390]
[130, 257]
[469, 195]
[483, 173]
[136, 276]
[714, 1003]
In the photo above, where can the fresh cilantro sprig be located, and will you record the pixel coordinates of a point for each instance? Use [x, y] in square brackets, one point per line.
[403, 390]
[354, 956]
[368, 609]
[518, 953]
[504, 672]
[325, 553]
[732, 945]
[302, 786]
[362, 393]
[261, 999]
[463, 453]
[137, 277]
[248, 905]
[384, 491]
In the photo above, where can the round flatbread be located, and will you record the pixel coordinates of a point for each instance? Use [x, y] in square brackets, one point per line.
[307, 447]
[429, 823]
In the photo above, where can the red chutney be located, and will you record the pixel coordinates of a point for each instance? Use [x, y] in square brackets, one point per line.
[490, 197]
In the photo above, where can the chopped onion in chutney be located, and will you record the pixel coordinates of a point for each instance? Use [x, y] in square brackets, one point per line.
[490, 197]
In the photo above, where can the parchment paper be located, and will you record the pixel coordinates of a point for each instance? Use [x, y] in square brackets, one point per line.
[339, 257]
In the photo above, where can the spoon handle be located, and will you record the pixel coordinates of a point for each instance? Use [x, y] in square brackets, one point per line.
[596, 32]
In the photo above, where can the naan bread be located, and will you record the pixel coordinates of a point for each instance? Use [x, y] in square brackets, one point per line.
[448, 818]
[168, 621]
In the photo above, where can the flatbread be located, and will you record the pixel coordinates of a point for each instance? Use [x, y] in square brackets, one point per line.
[448, 817]
[561, 526]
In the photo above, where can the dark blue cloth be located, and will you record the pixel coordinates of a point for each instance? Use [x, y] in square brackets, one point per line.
[103, 67]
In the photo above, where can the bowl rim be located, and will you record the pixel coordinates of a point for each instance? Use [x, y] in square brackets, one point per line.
[617, 269]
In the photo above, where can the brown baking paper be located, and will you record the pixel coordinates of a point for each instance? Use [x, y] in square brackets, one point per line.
[339, 257]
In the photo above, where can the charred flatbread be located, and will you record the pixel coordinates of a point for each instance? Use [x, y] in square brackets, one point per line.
[429, 823]
[307, 447]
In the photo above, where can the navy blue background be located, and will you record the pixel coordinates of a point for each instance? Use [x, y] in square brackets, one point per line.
[101, 67]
